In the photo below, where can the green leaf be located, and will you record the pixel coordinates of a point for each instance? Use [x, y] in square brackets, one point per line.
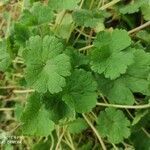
[43, 13]
[137, 74]
[116, 91]
[57, 109]
[132, 7]
[5, 59]
[35, 118]
[113, 40]
[110, 54]
[113, 124]
[63, 4]
[81, 95]
[36, 15]
[77, 126]
[21, 34]
[120, 91]
[88, 18]
[44, 145]
[146, 11]
[140, 140]
[47, 67]
[77, 59]
[28, 19]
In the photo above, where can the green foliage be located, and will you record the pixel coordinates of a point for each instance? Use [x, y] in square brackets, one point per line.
[140, 140]
[73, 60]
[5, 58]
[134, 80]
[132, 7]
[35, 118]
[146, 11]
[58, 109]
[46, 65]
[88, 18]
[63, 4]
[111, 54]
[81, 97]
[36, 15]
[114, 125]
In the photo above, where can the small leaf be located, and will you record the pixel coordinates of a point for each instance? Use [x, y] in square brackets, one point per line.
[81, 95]
[35, 118]
[113, 124]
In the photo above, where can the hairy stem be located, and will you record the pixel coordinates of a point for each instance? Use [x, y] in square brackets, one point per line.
[95, 131]
[125, 106]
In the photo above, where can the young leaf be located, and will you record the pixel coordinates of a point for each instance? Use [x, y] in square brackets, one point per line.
[81, 95]
[113, 124]
[35, 118]
[111, 55]
[47, 67]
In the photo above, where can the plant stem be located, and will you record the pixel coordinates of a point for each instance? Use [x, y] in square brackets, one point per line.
[9, 87]
[23, 91]
[109, 4]
[129, 32]
[52, 142]
[125, 106]
[81, 4]
[71, 141]
[86, 47]
[95, 131]
[140, 27]
[68, 144]
[143, 129]
[6, 109]
[59, 140]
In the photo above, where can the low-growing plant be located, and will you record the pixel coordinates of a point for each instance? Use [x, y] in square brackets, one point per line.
[75, 74]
